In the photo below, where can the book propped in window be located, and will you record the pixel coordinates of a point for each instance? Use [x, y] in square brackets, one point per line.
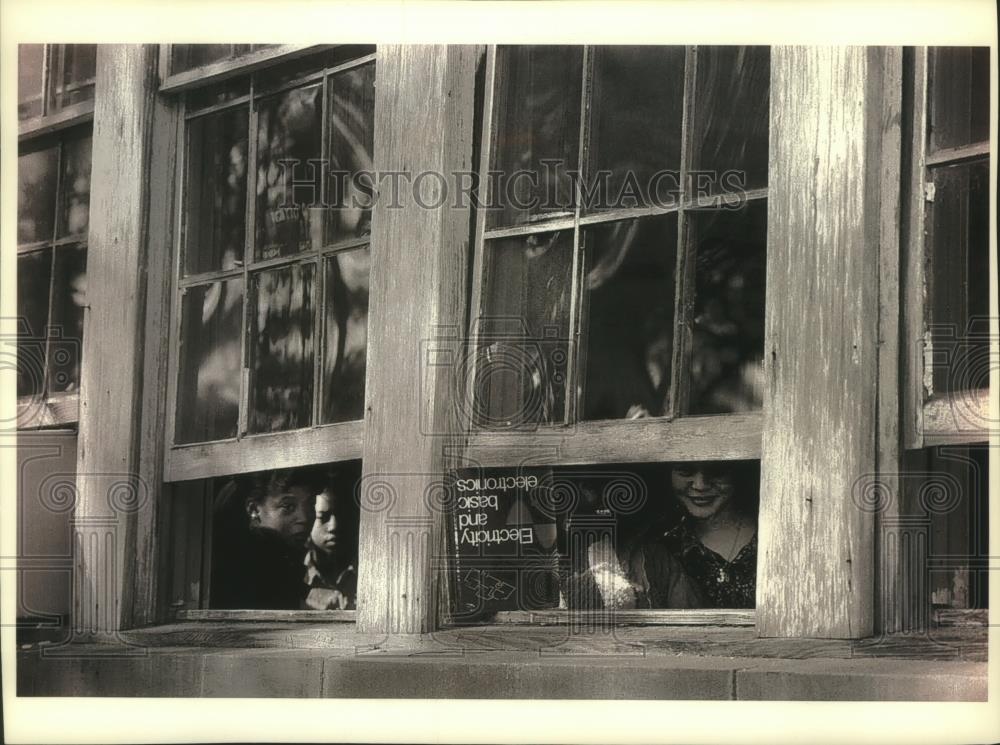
[502, 542]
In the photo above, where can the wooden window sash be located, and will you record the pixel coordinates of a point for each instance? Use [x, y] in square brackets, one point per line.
[587, 442]
[217, 72]
[60, 409]
[742, 428]
[65, 116]
[318, 442]
[930, 417]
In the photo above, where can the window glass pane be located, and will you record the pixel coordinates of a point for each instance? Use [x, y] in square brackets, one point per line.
[626, 546]
[629, 317]
[34, 271]
[74, 198]
[215, 203]
[285, 539]
[289, 210]
[187, 56]
[208, 390]
[213, 95]
[635, 126]
[29, 80]
[944, 501]
[959, 277]
[352, 135]
[727, 349]
[283, 348]
[537, 101]
[346, 310]
[731, 119]
[524, 331]
[73, 71]
[69, 295]
[36, 195]
[959, 98]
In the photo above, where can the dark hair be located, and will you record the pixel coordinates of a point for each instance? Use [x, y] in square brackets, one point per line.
[269, 483]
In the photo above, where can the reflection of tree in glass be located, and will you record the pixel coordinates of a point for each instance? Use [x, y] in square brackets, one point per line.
[728, 340]
[36, 194]
[540, 105]
[288, 131]
[629, 291]
[284, 349]
[75, 211]
[732, 111]
[346, 336]
[218, 357]
[352, 107]
[69, 297]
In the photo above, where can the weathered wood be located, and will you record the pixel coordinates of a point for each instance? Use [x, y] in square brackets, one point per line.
[957, 154]
[733, 436]
[914, 287]
[146, 593]
[62, 119]
[957, 418]
[590, 618]
[331, 442]
[418, 286]
[60, 409]
[816, 563]
[886, 90]
[645, 643]
[264, 616]
[111, 494]
[217, 72]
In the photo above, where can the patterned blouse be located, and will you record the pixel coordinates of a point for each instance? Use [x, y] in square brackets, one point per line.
[722, 584]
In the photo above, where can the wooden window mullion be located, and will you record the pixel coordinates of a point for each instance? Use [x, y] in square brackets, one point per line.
[678, 390]
[250, 238]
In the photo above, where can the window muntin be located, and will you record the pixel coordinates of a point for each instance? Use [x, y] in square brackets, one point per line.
[53, 199]
[184, 57]
[261, 232]
[54, 77]
[949, 238]
[631, 289]
[536, 126]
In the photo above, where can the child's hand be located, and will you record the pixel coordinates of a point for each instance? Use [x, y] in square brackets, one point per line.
[320, 598]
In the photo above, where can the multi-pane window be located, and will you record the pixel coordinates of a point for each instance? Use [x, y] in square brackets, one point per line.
[54, 77]
[273, 268]
[623, 241]
[620, 274]
[270, 329]
[957, 189]
[949, 275]
[53, 195]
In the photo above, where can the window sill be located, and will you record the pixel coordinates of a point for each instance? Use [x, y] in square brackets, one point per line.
[59, 410]
[552, 662]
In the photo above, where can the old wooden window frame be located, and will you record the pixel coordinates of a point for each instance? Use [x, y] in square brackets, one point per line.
[318, 443]
[54, 126]
[817, 95]
[673, 437]
[928, 417]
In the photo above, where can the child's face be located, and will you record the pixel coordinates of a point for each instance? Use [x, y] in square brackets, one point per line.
[288, 513]
[703, 491]
[327, 529]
